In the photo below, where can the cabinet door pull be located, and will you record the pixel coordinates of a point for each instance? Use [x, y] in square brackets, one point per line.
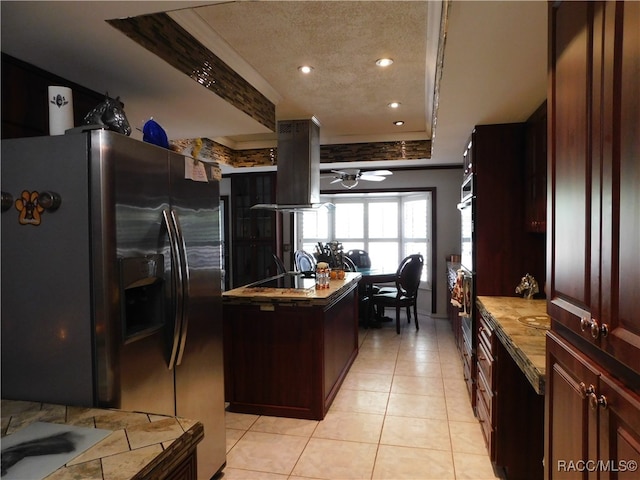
[598, 401]
[586, 391]
[598, 330]
[585, 323]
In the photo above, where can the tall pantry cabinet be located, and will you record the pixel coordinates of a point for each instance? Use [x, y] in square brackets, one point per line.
[593, 349]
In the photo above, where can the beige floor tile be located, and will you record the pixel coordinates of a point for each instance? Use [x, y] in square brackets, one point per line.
[374, 382]
[431, 356]
[454, 385]
[416, 432]
[417, 406]
[233, 436]
[239, 474]
[336, 459]
[412, 368]
[417, 385]
[371, 364]
[466, 437]
[413, 463]
[459, 408]
[473, 467]
[426, 339]
[286, 426]
[266, 452]
[239, 421]
[352, 426]
[360, 401]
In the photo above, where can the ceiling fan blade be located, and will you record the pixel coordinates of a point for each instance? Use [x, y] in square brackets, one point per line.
[372, 178]
[337, 180]
[378, 172]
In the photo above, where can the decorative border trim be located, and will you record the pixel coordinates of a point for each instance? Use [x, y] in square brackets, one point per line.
[207, 149]
[162, 36]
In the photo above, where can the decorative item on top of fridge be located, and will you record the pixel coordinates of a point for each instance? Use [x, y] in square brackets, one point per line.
[110, 114]
[153, 133]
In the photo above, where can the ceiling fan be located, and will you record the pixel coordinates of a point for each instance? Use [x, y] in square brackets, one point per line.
[349, 178]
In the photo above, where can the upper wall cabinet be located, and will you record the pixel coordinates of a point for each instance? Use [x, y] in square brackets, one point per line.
[255, 233]
[536, 171]
[594, 173]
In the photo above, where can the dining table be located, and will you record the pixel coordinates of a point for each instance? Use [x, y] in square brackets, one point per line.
[372, 277]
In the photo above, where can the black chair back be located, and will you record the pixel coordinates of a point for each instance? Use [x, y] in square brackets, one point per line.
[348, 264]
[360, 258]
[408, 275]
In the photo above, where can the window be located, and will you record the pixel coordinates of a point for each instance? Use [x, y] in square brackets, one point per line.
[388, 226]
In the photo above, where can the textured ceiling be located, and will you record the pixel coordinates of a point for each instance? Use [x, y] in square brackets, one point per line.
[346, 91]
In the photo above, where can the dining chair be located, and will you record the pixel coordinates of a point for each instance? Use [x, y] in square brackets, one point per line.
[304, 261]
[406, 291]
[360, 258]
[280, 268]
[348, 265]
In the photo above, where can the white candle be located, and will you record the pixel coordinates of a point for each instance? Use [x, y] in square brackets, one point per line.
[60, 102]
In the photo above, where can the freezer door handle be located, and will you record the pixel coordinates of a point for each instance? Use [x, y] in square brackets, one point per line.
[176, 286]
[186, 285]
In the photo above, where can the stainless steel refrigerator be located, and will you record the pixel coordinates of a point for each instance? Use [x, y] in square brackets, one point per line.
[111, 280]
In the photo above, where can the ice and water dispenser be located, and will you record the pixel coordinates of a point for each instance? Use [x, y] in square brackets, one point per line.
[142, 294]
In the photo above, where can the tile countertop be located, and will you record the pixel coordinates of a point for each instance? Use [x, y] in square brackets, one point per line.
[313, 296]
[140, 446]
[526, 344]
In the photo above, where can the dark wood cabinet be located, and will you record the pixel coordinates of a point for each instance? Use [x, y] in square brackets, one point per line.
[593, 420]
[503, 250]
[571, 424]
[255, 232]
[486, 391]
[595, 105]
[288, 358]
[535, 182]
[593, 364]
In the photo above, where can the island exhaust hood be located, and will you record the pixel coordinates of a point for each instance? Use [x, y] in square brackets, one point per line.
[298, 174]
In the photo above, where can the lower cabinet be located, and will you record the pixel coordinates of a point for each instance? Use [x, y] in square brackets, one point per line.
[592, 420]
[485, 388]
[288, 359]
[508, 408]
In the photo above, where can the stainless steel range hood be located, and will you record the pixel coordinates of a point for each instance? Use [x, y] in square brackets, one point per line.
[298, 174]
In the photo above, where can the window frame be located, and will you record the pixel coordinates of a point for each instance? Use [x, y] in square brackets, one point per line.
[401, 196]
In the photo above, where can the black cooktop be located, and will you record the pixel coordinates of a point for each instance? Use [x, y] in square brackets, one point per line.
[286, 280]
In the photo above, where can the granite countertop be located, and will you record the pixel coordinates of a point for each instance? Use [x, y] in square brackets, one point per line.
[139, 446]
[313, 296]
[524, 339]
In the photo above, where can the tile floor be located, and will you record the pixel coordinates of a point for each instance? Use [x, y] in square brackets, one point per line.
[403, 412]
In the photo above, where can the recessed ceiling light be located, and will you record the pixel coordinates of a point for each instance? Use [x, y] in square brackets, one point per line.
[305, 69]
[384, 62]
[398, 123]
[393, 104]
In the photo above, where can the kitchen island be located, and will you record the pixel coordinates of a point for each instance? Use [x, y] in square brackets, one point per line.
[140, 445]
[288, 345]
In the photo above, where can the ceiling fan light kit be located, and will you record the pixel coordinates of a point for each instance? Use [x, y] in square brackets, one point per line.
[349, 178]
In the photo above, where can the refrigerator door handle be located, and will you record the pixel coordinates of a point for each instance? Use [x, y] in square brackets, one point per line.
[176, 287]
[186, 285]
